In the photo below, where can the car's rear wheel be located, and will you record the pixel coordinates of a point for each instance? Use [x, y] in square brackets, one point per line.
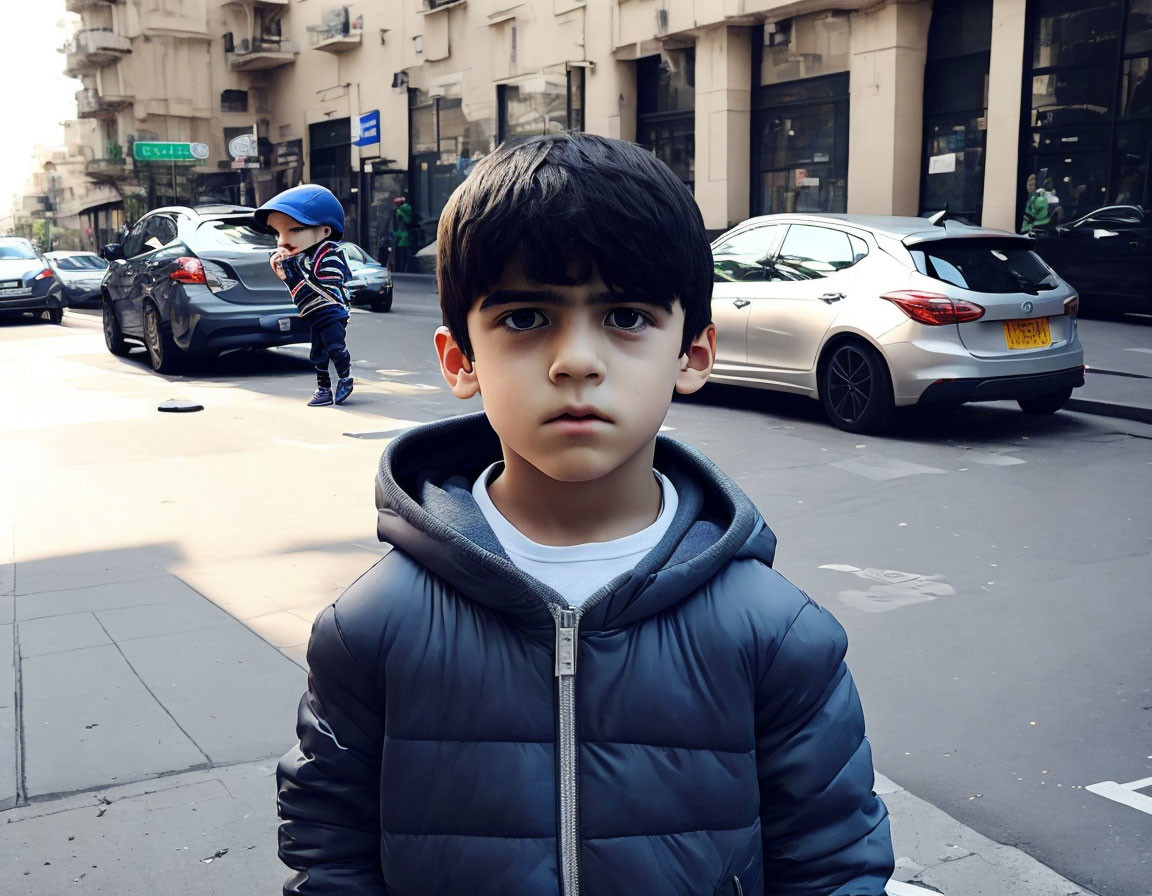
[1045, 404]
[113, 336]
[163, 353]
[55, 315]
[382, 301]
[855, 388]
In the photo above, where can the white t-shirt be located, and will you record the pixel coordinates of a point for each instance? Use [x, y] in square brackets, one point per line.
[578, 571]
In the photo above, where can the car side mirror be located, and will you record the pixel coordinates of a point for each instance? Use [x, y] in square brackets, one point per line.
[113, 252]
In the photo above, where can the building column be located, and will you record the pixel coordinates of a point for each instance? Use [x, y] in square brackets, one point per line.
[723, 125]
[886, 109]
[1005, 77]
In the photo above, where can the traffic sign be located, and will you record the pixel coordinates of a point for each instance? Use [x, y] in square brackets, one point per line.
[151, 151]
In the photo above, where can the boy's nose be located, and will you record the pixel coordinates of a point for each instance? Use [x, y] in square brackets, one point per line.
[577, 356]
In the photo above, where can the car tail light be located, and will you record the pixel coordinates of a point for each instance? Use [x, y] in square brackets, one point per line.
[933, 308]
[219, 278]
[1072, 305]
[43, 275]
[188, 270]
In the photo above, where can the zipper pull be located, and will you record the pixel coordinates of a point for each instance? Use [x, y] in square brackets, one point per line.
[566, 642]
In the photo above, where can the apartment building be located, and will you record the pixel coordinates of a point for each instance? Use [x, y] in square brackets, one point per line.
[759, 106]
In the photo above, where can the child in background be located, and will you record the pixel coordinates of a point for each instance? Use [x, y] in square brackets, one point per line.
[308, 219]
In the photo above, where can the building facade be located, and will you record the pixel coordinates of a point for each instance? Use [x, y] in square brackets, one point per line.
[759, 106]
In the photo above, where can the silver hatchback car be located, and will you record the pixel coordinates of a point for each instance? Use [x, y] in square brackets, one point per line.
[870, 313]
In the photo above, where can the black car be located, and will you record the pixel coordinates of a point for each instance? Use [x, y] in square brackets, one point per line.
[195, 282]
[1106, 255]
[27, 283]
[371, 282]
[81, 276]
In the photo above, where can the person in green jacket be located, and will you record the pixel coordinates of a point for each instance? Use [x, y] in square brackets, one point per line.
[1037, 211]
[402, 236]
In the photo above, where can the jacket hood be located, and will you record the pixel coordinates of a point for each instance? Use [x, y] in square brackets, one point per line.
[425, 508]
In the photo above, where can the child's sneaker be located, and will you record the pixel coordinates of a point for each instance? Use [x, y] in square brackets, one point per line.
[322, 397]
[343, 389]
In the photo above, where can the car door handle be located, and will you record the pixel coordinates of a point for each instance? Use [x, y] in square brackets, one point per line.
[830, 297]
[741, 303]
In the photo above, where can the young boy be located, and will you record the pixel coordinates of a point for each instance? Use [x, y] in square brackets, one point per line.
[577, 672]
[307, 220]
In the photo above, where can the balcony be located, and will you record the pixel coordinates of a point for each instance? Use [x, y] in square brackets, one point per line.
[79, 6]
[261, 53]
[336, 38]
[94, 48]
[106, 169]
[91, 103]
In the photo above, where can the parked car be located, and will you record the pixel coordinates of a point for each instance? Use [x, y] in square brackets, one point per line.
[868, 314]
[195, 282]
[27, 284]
[371, 282]
[80, 275]
[1106, 255]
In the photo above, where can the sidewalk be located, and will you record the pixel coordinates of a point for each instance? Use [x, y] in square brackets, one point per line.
[152, 721]
[1118, 382]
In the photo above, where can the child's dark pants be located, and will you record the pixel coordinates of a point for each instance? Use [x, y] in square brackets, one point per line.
[328, 344]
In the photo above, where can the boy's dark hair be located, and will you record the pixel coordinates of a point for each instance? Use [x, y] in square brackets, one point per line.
[591, 203]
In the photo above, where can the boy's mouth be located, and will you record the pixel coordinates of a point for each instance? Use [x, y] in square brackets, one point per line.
[579, 414]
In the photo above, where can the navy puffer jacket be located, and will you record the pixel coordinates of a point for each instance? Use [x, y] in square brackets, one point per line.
[691, 730]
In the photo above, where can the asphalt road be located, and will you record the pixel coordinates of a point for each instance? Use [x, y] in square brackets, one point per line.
[991, 568]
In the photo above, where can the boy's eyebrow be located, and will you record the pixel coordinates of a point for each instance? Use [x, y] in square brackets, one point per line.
[549, 297]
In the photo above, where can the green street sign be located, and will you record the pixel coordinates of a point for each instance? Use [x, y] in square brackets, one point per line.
[169, 152]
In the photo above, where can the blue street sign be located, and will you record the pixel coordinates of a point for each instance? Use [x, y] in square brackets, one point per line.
[367, 129]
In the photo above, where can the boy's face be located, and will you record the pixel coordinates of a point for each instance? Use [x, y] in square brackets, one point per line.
[294, 237]
[576, 380]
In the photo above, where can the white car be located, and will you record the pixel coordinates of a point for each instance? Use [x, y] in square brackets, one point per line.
[871, 313]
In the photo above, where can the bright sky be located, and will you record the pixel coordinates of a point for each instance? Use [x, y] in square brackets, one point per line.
[37, 96]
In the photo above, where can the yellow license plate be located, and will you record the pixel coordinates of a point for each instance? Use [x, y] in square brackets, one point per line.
[1027, 333]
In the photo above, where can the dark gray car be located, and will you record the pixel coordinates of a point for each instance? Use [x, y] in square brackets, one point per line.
[27, 284]
[195, 282]
[81, 275]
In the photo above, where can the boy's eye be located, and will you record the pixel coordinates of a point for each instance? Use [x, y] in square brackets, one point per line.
[524, 319]
[627, 319]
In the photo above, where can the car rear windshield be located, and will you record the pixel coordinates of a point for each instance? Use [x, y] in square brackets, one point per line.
[16, 250]
[81, 263]
[996, 266]
[233, 233]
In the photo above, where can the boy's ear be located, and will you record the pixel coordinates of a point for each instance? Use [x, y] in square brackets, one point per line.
[327, 231]
[696, 363]
[459, 372]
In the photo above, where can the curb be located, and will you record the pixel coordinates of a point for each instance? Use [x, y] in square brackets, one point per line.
[1109, 409]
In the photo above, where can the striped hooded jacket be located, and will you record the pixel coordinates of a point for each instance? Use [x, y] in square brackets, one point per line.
[316, 278]
[691, 730]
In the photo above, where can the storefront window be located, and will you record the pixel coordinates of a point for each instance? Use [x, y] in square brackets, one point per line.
[955, 106]
[1089, 131]
[448, 137]
[800, 137]
[534, 106]
[665, 110]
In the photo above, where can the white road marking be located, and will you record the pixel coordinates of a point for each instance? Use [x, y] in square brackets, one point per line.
[1125, 794]
[899, 888]
[893, 589]
[1147, 351]
[880, 469]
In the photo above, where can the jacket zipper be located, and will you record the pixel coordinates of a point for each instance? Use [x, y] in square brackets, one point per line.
[567, 625]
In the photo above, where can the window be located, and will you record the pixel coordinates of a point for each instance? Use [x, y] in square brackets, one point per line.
[159, 231]
[810, 252]
[955, 107]
[995, 266]
[133, 243]
[800, 142]
[1088, 135]
[665, 110]
[745, 255]
[234, 234]
[234, 101]
[534, 106]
